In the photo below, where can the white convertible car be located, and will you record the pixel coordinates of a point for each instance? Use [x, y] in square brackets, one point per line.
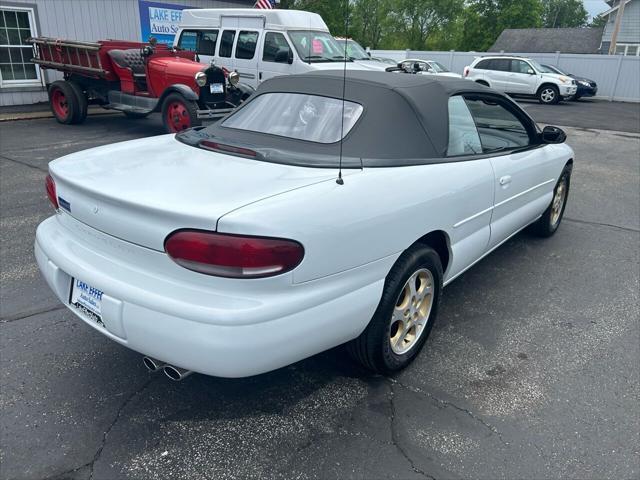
[237, 249]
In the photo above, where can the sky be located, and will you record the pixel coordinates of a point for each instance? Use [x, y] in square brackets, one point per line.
[594, 7]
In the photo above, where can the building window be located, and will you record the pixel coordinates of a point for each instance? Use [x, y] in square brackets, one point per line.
[628, 49]
[16, 25]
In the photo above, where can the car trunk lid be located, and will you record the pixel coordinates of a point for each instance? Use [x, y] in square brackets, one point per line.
[142, 190]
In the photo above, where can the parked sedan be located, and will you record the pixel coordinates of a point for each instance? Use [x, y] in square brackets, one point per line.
[323, 211]
[586, 87]
[426, 67]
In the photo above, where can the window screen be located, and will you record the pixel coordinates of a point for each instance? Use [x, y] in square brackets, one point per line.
[499, 129]
[226, 43]
[500, 64]
[201, 42]
[483, 64]
[463, 135]
[15, 52]
[246, 46]
[294, 115]
[273, 43]
[520, 66]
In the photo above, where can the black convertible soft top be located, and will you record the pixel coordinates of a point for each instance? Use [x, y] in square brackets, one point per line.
[405, 118]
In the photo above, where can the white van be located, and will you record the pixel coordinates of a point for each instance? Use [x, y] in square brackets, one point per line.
[260, 44]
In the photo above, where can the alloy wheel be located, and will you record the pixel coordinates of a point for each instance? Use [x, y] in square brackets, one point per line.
[558, 202]
[411, 312]
[548, 95]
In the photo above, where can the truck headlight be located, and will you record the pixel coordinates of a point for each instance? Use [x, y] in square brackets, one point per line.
[201, 79]
[234, 78]
[565, 80]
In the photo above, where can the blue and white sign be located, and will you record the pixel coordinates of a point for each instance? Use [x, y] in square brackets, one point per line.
[160, 20]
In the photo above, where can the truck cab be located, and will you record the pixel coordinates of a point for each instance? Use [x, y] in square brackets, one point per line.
[260, 44]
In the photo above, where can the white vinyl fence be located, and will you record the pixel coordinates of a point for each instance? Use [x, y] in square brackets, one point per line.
[617, 76]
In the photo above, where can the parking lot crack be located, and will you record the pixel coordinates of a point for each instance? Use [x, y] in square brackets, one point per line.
[446, 404]
[600, 224]
[30, 313]
[394, 434]
[24, 164]
[116, 418]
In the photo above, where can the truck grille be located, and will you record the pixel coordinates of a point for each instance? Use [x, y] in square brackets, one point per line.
[213, 100]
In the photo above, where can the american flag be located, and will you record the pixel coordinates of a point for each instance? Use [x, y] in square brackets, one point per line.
[266, 4]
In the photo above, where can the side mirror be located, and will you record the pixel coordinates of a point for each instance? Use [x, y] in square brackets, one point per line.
[553, 135]
[284, 55]
[530, 71]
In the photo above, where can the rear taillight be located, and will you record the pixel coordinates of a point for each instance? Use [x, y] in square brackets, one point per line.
[465, 72]
[220, 147]
[233, 256]
[51, 191]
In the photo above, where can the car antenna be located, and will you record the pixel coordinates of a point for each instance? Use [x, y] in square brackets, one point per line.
[339, 180]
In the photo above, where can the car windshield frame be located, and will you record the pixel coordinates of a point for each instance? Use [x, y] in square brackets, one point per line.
[353, 45]
[552, 69]
[438, 67]
[306, 53]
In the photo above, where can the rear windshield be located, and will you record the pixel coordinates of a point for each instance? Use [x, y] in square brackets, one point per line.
[294, 115]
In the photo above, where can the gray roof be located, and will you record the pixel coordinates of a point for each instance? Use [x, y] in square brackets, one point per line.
[405, 117]
[548, 40]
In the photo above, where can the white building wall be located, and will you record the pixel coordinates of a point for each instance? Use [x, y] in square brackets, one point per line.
[88, 20]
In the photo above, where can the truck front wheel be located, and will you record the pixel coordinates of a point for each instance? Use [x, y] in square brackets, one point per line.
[178, 113]
[65, 104]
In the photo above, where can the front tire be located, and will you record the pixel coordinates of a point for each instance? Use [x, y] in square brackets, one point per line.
[548, 95]
[178, 113]
[405, 315]
[550, 220]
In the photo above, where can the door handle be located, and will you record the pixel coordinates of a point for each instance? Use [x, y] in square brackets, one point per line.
[260, 76]
[505, 180]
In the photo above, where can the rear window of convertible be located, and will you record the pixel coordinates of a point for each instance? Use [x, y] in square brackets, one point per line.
[295, 115]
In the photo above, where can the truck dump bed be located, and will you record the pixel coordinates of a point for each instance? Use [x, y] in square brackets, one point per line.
[83, 58]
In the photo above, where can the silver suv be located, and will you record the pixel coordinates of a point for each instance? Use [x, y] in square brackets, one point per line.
[520, 76]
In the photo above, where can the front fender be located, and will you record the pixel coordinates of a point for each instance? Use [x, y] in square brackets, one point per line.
[247, 90]
[180, 88]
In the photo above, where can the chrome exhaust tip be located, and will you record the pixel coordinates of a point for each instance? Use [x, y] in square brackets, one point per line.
[152, 364]
[176, 373]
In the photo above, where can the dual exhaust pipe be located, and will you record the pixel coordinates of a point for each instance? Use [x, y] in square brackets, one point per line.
[174, 373]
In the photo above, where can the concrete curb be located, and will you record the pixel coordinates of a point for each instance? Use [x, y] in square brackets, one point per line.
[13, 116]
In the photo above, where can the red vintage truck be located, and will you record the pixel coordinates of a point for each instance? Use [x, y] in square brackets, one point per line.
[137, 79]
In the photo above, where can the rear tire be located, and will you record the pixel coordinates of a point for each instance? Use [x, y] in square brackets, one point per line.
[178, 113]
[83, 103]
[548, 95]
[64, 102]
[550, 220]
[405, 315]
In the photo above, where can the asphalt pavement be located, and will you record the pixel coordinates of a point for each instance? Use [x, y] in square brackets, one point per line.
[532, 371]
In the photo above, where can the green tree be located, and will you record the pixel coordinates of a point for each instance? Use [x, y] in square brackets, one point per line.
[598, 21]
[369, 21]
[484, 20]
[415, 20]
[564, 13]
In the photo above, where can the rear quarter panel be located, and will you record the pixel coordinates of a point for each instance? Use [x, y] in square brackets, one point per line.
[377, 213]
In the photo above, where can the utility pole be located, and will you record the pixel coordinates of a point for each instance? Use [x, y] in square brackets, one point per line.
[616, 27]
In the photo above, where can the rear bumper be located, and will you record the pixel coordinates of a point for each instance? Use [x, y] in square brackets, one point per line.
[152, 305]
